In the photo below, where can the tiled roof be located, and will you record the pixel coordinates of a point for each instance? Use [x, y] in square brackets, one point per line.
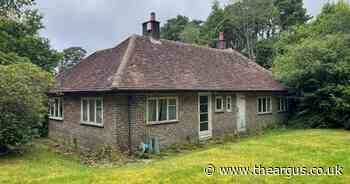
[142, 63]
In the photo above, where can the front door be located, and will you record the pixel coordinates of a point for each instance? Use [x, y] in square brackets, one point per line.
[204, 115]
[241, 114]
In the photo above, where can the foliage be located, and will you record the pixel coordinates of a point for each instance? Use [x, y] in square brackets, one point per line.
[173, 28]
[314, 59]
[191, 33]
[72, 56]
[19, 39]
[22, 101]
[213, 25]
[14, 7]
[291, 13]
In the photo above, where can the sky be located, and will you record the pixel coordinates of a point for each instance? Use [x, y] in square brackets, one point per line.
[100, 24]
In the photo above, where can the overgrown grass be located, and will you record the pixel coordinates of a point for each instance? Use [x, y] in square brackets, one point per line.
[307, 148]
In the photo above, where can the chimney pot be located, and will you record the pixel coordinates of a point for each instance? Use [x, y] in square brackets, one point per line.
[221, 36]
[153, 16]
[221, 43]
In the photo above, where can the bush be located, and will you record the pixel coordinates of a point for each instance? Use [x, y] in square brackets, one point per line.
[22, 102]
[314, 60]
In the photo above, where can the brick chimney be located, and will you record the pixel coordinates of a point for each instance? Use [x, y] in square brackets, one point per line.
[152, 27]
[221, 43]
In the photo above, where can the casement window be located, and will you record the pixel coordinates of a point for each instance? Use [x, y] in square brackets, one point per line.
[162, 109]
[283, 104]
[228, 103]
[92, 111]
[56, 108]
[219, 104]
[264, 105]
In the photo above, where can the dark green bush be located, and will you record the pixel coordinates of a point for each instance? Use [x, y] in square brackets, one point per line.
[22, 102]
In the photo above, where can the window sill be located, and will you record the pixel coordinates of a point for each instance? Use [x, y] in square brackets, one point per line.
[162, 122]
[264, 113]
[91, 125]
[57, 119]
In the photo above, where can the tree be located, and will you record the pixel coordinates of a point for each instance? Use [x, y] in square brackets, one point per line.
[291, 13]
[22, 102]
[247, 22]
[213, 25]
[191, 33]
[72, 56]
[14, 7]
[173, 28]
[314, 60]
[20, 37]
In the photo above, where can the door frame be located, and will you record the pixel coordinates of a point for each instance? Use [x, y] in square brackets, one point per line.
[205, 134]
[238, 99]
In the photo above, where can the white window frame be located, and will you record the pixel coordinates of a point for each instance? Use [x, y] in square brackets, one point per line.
[283, 104]
[94, 123]
[228, 101]
[157, 109]
[222, 104]
[257, 105]
[52, 105]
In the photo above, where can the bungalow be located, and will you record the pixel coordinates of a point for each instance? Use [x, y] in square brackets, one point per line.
[148, 88]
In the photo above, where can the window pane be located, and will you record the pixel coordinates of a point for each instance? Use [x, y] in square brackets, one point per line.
[203, 117]
[56, 107]
[259, 105]
[172, 112]
[162, 109]
[172, 101]
[264, 105]
[85, 110]
[91, 110]
[218, 103]
[61, 108]
[204, 126]
[99, 113]
[268, 104]
[203, 99]
[152, 108]
[204, 108]
[52, 109]
[228, 101]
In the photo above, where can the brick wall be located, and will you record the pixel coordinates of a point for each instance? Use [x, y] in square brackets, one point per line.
[116, 112]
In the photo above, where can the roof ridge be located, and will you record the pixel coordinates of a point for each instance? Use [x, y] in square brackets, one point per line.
[127, 54]
[228, 50]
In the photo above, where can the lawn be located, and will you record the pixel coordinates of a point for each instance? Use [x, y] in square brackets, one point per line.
[307, 148]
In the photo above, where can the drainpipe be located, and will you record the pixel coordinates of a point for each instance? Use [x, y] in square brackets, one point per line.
[129, 125]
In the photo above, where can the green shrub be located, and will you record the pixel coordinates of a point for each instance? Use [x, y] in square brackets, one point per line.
[314, 60]
[22, 102]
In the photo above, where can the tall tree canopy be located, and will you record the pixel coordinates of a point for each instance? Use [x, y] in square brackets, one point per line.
[19, 36]
[291, 12]
[173, 28]
[314, 59]
[72, 56]
[213, 25]
[24, 57]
